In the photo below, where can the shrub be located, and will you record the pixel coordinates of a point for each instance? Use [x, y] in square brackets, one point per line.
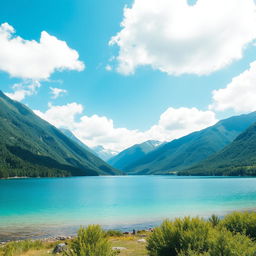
[112, 232]
[181, 235]
[90, 241]
[241, 222]
[224, 243]
[197, 237]
[214, 220]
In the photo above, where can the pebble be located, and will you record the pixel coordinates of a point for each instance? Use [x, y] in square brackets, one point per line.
[118, 248]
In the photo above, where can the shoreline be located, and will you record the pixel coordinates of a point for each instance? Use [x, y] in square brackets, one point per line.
[68, 232]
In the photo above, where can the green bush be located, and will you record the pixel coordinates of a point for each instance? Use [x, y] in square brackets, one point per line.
[90, 241]
[241, 222]
[214, 220]
[224, 243]
[198, 237]
[180, 235]
[112, 232]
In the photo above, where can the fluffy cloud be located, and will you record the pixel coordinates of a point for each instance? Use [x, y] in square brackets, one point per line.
[21, 90]
[61, 116]
[57, 92]
[35, 60]
[177, 38]
[175, 123]
[99, 130]
[239, 95]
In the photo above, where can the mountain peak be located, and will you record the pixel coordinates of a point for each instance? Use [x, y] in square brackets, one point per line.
[133, 153]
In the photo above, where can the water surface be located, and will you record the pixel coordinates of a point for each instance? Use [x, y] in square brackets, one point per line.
[41, 207]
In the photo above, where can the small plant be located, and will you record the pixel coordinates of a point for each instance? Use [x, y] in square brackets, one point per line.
[112, 232]
[214, 220]
[90, 241]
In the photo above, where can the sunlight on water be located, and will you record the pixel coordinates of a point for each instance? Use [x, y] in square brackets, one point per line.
[117, 201]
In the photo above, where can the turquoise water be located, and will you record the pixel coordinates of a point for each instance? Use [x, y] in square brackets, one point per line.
[44, 206]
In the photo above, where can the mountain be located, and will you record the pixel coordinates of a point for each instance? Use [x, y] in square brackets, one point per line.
[29, 146]
[103, 153]
[236, 159]
[132, 154]
[184, 152]
[69, 134]
[99, 151]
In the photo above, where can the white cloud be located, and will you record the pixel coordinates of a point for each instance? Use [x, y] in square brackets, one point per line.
[177, 38]
[239, 95]
[61, 116]
[99, 130]
[57, 92]
[177, 122]
[21, 90]
[29, 59]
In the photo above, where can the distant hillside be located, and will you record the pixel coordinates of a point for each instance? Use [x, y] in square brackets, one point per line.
[29, 146]
[99, 151]
[182, 153]
[69, 134]
[132, 154]
[238, 158]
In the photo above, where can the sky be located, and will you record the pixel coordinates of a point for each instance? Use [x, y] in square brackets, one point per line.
[117, 73]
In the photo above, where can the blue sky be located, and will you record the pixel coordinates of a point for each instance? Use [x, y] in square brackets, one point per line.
[135, 99]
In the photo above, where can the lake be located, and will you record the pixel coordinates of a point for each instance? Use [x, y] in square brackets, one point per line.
[58, 206]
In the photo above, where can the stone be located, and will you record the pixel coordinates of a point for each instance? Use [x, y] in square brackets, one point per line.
[119, 248]
[142, 240]
[60, 248]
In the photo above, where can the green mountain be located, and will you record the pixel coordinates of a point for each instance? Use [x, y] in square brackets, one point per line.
[132, 154]
[29, 146]
[99, 151]
[182, 153]
[69, 134]
[238, 158]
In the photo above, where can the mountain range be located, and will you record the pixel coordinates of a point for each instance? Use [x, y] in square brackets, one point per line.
[236, 159]
[29, 146]
[184, 152]
[132, 154]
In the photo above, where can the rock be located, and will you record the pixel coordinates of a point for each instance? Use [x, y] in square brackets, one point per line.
[119, 248]
[62, 238]
[142, 240]
[60, 248]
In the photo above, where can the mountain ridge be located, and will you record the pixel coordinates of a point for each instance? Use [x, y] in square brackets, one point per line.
[184, 152]
[132, 154]
[28, 143]
[237, 158]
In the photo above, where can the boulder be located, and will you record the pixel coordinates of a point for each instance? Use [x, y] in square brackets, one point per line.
[60, 248]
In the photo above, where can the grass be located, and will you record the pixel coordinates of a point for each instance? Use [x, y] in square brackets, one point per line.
[45, 248]
[130, 242]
